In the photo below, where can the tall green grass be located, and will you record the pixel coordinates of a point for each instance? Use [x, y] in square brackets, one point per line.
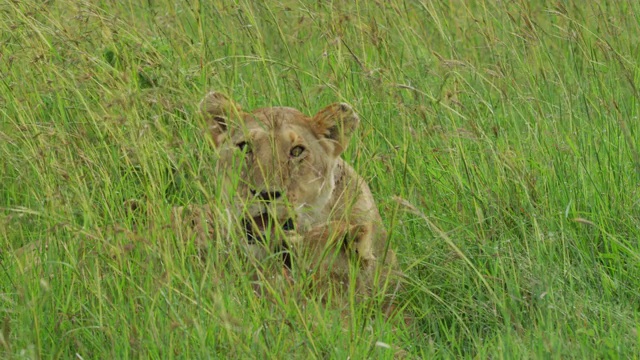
[500, 140]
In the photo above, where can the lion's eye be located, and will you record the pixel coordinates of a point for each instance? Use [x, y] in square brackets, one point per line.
[244, 147]
[296, 151]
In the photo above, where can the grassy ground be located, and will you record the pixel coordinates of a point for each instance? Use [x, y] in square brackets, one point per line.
[500, 139]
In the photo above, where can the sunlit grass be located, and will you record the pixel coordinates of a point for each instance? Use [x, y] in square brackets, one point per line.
[500, 140]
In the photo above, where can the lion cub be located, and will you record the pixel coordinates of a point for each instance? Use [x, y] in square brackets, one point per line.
[285, 185]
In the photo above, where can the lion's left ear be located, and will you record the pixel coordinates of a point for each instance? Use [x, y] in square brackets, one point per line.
[219, 112]
[336, 122]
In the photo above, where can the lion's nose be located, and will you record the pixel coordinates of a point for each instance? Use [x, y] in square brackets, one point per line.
[267, 195]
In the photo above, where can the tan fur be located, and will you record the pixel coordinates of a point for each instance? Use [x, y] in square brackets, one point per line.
[281, 162]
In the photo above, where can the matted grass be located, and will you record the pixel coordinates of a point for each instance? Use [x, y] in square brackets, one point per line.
[500, 139]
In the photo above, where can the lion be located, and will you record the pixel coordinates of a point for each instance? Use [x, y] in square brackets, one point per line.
[285, 187]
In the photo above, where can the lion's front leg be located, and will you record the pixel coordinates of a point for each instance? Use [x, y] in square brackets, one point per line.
[340, 243]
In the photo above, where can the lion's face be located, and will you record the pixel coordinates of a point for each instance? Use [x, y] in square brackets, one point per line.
[277, 162]
[277, 166]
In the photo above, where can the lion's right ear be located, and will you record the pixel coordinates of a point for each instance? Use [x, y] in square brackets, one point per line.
[217, 110]
[336, 122]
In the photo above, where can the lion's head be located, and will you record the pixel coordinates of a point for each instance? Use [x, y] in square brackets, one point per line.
[277, 162]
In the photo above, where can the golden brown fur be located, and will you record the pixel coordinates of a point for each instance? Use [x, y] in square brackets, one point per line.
[286, 186]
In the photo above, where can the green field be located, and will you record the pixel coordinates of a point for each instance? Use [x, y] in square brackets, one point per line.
[500, 139]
